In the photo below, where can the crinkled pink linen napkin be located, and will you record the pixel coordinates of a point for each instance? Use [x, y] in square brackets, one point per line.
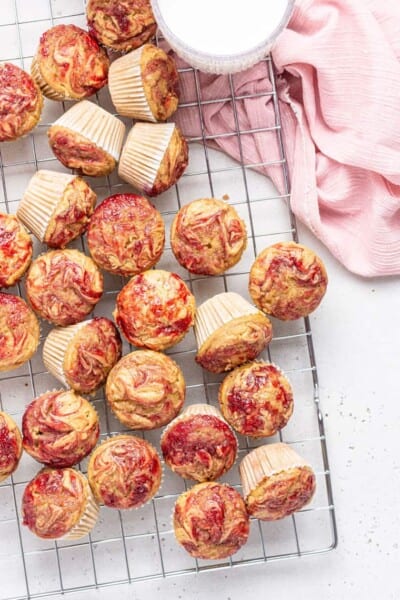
[338, 65]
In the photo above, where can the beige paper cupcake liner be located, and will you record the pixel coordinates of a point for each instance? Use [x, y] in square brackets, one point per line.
[44, 86]
[96, 124]
[40, 200]
[55, 348]
[143, 152]
[89, 517]
[219, 310]
[126, 87]
[266, 461]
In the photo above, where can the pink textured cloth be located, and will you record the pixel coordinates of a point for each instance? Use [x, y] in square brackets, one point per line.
[338, 66]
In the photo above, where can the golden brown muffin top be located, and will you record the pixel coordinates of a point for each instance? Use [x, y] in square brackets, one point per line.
[19, 332]
[71, 62]
[210, 521]
[199, 446]
[76, 151]
[256, 399]
[287, 280]
[10, 446]
[91, 354]
[121, 24]
[21, 102]
[126, 234]
[54, 501]
[155, 309]
[15, 250]
[124, 472]
[208, 236]
[72, 214]
[145, 389]
[160, 81]
[60, 428]
[281, 494]
[63, 286]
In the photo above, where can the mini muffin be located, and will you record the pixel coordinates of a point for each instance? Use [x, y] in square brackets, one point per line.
[124, 472]
[155, 310]
[10, 446]
[229, 332]
[256, 399]
[58, 503]
[60, 428]
[144, 84]
[82, 355]
[126, 235]
[69, 64]
[121, 25]
[21, 103]
[63, 286]
[208, 236]
[154, 157]
[145, 389]
[15, 250]
[19, 332]
[210, 521]
[87, 138]
[199, 444]
[288, 281]
[276, 482]
[56, 207]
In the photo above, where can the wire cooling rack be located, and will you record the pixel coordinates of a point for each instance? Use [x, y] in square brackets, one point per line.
[137, 545]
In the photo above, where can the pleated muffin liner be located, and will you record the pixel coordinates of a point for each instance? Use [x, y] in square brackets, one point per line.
[55, 348]
[265, 461]
[143, 153]
[96, 124]
[219, 310]
[126, 87]
[89, 516]
[40, 200]
[45, 88]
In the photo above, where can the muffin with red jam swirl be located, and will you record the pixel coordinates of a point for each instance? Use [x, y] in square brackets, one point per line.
[210, 521]
[10, 446]
[15, 250]
[60, 428]
[124, 472]
[19, 332]
[155, 310]
[199, 444]
[288, 281]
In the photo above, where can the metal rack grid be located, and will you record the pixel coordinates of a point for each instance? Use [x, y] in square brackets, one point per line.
[139, 545]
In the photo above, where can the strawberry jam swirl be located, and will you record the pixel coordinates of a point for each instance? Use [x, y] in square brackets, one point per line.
[200, 447]
[155, 310]
[19, 332]
[71, 62]
[210, 521]
[287, 281]
[126, 234]
[15, 250]
[72, 214]
[75, 151]
[91, 354]
[160, 82]
[20, 102]
[282, 494]
[10, 446]
[145, 389]
[124, 472]
[53, 502]
[256, 399]
[208, 237]
[173, 164]
[237, 342]
[121, 25]
[60, 428]
[63, 286]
